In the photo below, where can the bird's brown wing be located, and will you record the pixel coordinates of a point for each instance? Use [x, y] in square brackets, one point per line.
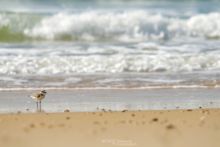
[39, 96]
[35, 95]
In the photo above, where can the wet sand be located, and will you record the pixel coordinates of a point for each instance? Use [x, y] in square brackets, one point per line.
[89, 100]
[164, 128]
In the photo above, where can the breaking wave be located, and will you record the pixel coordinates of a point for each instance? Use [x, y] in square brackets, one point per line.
[109, 64]
[132, 25]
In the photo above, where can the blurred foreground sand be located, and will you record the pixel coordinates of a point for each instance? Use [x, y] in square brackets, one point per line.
[167, 128]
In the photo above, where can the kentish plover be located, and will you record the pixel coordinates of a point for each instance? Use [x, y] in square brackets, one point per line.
[38, 97]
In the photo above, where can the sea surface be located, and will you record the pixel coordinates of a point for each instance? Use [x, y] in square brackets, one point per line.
[61, 44]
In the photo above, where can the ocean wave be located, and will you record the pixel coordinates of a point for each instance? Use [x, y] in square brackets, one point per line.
[3, 21]
[126, 26]
[12, 65]
[12, 26]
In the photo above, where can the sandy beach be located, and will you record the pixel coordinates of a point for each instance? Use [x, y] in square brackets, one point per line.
[163, 128]
[110, 73]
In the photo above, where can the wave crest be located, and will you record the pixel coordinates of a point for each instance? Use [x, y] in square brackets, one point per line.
[125, 26]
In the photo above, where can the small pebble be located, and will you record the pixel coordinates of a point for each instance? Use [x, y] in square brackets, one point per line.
[103, 110]
[133, 115]
[170, 127]
[124, 110]
[155, 119]
[96, 123]
[32, 126]
[67, 110]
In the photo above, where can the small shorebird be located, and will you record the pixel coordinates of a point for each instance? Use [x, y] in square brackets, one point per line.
[38, 97]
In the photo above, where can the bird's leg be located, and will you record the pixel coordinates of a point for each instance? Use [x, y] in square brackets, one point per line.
[37, 105]
[40, 106]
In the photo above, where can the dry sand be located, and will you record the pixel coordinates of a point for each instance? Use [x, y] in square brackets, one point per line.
[176, 128]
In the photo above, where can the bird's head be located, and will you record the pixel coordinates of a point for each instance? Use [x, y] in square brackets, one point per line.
[43, 91]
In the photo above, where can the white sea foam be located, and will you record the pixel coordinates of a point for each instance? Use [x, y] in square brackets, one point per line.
[3, 21]
[137, 25]
[110, 64]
